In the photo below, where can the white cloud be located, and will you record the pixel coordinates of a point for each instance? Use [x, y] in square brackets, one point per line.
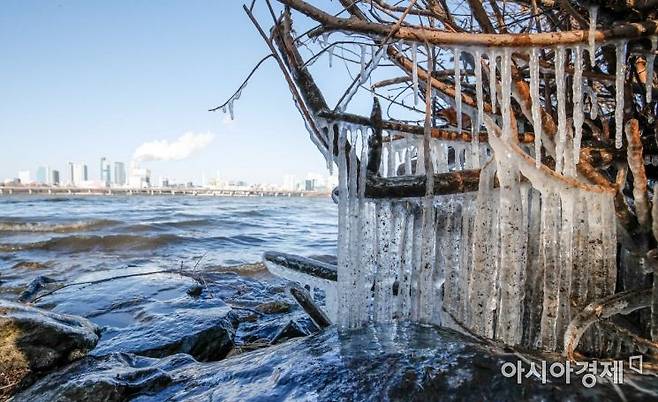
[183, 147]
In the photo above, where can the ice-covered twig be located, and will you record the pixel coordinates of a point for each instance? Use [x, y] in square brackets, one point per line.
[619, 303]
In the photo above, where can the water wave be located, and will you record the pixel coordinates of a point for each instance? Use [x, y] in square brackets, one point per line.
[31, 227]
[89, 243]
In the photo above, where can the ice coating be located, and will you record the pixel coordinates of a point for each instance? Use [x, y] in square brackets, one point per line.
[620, 77]
[536, 102]
[511, 262]
[363, 77]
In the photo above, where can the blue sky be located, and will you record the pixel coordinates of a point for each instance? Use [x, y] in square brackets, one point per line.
[85, 79]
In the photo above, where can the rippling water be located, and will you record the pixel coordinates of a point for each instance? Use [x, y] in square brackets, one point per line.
[65, 237]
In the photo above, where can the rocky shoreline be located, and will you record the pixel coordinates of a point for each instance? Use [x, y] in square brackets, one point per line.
[235, 333]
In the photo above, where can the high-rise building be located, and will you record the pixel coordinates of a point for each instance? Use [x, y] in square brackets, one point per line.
[71, 173]
[77, 174]
[54, 177]
[48, 176]
[289, 183]
[139, 177]
[119, 173]
[105, 176]
[42, 175]
[24, 177]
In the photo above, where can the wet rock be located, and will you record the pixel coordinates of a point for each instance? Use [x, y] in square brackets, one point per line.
[291, 330]
[151, 315]
[195, 290]
[34, 287]
[33, 341]
[273, 307]
[262, 309]
[405, 362]
[30, 265]
[115, 377]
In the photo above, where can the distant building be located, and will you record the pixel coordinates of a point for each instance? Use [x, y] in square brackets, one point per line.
[54, 178]
[105, 176]
[42, 175]
[119, 174]
[47, 176]
[310, 184]
[70, 169]
[77, 173]
[139, 177]
[24, 177]
[289, 183]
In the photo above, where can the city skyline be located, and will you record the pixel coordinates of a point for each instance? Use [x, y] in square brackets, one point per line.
[116, 174]
[108, 91]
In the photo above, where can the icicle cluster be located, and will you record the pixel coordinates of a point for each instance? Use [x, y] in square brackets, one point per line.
[513, 262]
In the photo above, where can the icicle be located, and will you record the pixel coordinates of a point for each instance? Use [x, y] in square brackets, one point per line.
[620, 77]
[458, 88]
[568, 200]
[343, 265]
[578, 115]
[492, 79]
[651, 58]
[483, 274]
[591, 39]
[230, 109]
[536, 105]
[364, 77]
[478, 90]
[506, 88]
[476, 118]
[330, 50]
[330, 155]
[354, 230]
[512, 233]
[594, 103]
[549, 241]
[363, 59]
[414, 71]
[561, 108]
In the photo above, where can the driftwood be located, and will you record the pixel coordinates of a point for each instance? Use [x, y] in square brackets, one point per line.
[620, 303]
[414, 186]
[305, 300]
[307, 266]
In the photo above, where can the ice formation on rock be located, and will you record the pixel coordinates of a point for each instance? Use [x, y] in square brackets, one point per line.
[511, 262]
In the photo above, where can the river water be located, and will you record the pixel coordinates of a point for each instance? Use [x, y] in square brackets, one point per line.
[65, 237]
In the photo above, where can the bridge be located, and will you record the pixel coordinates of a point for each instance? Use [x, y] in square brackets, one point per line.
[188, 191]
